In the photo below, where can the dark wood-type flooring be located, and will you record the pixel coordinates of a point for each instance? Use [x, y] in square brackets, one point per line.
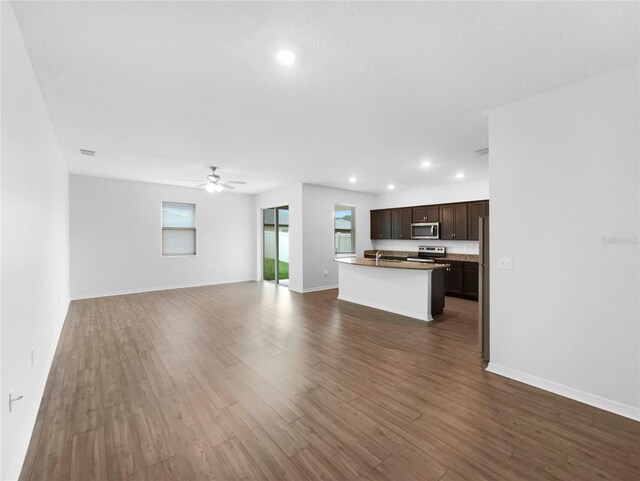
[250, 381]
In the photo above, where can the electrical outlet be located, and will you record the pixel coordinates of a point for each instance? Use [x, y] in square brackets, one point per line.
[505, 263]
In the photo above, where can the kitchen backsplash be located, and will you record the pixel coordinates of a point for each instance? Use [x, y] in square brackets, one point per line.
[453, 247]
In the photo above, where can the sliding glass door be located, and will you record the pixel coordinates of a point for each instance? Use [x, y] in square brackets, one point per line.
[275, 246]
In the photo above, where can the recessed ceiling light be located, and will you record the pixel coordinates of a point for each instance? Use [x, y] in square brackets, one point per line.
[391, 186]
[460, 175]
[352, 179]
[426, 163]
[286, 57]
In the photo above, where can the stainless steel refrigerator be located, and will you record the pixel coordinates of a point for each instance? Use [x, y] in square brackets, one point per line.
[483, 292]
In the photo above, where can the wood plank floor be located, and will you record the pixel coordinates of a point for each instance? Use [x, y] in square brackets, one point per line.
[250, 381]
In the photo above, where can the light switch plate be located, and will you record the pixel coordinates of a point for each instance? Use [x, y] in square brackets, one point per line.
[505, 263]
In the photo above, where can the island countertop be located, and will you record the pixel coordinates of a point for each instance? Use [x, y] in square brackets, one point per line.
[391, 264]
[405, 254]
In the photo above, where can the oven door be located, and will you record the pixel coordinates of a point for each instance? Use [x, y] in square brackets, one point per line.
[425, 230]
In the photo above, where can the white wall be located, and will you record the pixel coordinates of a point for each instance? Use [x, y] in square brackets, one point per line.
[318, 206]
[290, 195]
[115, 230]
[564, 205]
[440, 194]
[34, 259]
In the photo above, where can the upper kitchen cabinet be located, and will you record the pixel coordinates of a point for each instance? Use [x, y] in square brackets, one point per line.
[381, 224]
[401, 223]
[426, 213]
[458, 221]
[475, 211]
[453, 221]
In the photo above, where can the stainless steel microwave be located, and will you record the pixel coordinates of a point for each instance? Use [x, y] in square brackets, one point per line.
[425, 230]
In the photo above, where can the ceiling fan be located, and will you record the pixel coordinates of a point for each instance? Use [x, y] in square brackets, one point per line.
[214, 183]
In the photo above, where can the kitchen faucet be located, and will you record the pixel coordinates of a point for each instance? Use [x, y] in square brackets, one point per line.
[378, 255]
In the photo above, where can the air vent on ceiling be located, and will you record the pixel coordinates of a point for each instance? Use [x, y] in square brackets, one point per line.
[91, 153]
[484, 151]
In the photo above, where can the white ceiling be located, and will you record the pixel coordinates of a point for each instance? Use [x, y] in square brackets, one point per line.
[161, 89]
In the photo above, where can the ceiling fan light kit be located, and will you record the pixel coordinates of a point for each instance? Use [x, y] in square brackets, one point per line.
[215, 184]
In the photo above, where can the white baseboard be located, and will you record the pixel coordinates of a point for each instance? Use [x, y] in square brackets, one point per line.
[594, 400]
[153, 289]
[321, 288]
[384, 307]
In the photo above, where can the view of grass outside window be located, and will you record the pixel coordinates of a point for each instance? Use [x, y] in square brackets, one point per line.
[344, 218]
[270, 270]
[276, 244]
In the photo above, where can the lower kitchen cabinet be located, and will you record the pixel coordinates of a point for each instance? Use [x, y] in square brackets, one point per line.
[453, 279]
[470, 280]
[461, 280]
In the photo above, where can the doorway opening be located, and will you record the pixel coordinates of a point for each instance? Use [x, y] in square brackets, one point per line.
[275, 248]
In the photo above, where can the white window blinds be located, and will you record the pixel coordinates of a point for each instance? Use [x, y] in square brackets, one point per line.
[178, 229]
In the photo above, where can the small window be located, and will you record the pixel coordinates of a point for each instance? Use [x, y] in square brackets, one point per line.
[178, 229]
[344, 222]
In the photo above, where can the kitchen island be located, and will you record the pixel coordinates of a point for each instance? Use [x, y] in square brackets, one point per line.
[412, 289]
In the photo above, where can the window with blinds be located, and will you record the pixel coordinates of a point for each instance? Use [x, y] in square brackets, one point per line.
[178, 229]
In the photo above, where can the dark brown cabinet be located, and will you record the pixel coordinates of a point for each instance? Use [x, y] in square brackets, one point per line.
[401, 223]
[461, 280]
[426, 213]
[453, 279]
[470, 280]
[381, 224]
[458, 221]
[475, 211]
[453, 221]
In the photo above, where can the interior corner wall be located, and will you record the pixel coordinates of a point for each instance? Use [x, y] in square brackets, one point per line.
[116, 238]
[564, 206]
[290, 195]
[318, 205]
[34, 257]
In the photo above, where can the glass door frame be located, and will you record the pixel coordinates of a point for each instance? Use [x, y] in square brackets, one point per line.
[276, 230]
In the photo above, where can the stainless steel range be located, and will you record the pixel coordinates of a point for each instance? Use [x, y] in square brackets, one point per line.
[429, 254]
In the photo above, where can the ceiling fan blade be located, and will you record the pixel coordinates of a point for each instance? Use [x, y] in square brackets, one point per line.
[227, 186]
[202, 185]
[242, 182]
[190, 180]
